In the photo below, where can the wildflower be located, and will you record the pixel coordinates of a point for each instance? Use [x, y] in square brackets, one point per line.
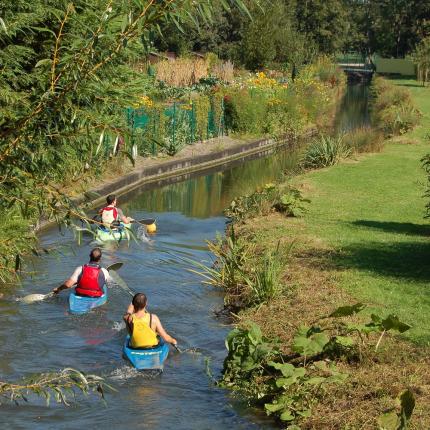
[146, 101]
[274, 102]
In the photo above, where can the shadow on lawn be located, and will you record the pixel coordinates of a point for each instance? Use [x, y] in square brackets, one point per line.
[407, 84]
[396, 227]
[408, 260]
[405, 81]
[403, 260]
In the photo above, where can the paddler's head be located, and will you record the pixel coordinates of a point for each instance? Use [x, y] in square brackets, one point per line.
[95, 255]
[111, 200]
[139, 302]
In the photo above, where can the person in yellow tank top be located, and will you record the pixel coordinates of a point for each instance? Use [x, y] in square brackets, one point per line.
[142, 326]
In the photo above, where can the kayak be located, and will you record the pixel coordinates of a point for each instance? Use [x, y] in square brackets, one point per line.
[146, 358]
[82, 305]
[104, 234]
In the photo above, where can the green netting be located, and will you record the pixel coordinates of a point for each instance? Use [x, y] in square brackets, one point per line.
[171, 127]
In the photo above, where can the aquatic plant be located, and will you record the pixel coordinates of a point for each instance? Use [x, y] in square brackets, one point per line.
[258, 203]
[364, 139]
[267, 284]
[61, 386]
[325, 151]
[247, 277]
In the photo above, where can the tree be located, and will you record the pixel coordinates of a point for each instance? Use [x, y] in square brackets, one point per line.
[65, 80]
[325, 22]
[421, 57]
[391, 28]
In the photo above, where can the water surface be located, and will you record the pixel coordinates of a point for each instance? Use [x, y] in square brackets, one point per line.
[45, 337]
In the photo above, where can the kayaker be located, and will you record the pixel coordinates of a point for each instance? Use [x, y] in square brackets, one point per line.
[89, 278]
[142, 326]
[111, 214]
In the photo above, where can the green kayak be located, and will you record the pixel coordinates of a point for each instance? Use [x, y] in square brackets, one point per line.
[104, 234]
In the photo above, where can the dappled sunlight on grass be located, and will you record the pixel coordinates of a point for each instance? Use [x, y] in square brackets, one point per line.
[371, 214]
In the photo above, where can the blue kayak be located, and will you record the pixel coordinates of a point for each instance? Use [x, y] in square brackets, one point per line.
[82, 305]
[146, 358]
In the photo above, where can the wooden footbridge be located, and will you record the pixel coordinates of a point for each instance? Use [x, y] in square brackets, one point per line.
[356, 66]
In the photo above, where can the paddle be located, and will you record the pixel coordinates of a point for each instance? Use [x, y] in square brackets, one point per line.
[145, 221]
[177, 348]
[31, 298]
[121, 283]
[192, 350]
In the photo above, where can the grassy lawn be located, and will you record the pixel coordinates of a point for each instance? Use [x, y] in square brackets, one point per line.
[370, 213]
[364, 239]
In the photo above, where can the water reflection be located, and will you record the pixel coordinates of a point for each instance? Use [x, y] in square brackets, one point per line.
[209, 195]
[354, 108]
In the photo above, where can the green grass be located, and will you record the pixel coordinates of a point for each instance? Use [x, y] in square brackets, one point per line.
[371, 213]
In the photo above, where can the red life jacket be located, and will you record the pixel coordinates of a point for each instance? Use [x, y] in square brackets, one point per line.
[113, 209]
[90, 281]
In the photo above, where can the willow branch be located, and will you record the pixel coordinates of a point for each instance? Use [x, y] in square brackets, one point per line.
[57, 46]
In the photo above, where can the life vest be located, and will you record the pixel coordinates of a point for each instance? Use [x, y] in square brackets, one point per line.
[143, 336]
[109, 215]
[90, 281]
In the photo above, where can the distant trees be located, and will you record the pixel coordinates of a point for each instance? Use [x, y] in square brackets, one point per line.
[290, 31]
[392, 28]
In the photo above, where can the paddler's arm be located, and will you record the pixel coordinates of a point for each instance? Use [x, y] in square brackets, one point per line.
[123, 218]
[160, 330]
[128, 320]
[108, 277]
[67, 284]
[70, 282]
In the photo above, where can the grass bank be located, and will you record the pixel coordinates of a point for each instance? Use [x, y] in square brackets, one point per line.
[363, 239]
[369, 213]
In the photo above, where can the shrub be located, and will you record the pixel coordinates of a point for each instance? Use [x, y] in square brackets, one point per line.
[292, 203]
[328, 71]
[364, 139]
[289, 385]
[287, 200]
[325, 151]
[258, 203]
[393, 110]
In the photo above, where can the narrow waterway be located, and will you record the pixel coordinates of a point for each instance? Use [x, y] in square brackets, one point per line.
[45, 337]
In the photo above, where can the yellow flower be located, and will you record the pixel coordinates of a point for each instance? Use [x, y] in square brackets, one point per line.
[146, 101]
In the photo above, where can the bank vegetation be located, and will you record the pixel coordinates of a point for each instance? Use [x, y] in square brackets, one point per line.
[305, 349]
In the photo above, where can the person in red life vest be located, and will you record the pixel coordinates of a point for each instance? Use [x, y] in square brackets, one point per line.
[89, 278]
[111, 214]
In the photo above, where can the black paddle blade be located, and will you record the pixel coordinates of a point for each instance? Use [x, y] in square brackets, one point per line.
[146, 221]
[115, 266]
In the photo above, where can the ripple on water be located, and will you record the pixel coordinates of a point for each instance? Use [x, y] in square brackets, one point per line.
[127, 372]
[118, 326]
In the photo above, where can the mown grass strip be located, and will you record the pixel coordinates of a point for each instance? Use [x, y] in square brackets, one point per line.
[370, 213]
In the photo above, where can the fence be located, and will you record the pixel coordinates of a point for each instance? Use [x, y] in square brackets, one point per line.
[398, 66]
[170, 127]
